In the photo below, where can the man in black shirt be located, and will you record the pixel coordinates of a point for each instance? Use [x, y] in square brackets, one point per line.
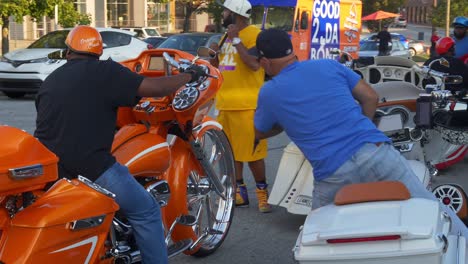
[76, 117]
[384, 39]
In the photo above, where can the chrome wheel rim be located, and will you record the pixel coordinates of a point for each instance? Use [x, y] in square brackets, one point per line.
[213, 213]
[450, 196]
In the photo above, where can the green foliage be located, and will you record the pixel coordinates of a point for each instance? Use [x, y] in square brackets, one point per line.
[215, 11]
[69, 17]
[457, 8]
[16, 8]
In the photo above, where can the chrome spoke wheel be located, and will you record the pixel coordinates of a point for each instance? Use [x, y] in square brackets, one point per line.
[213, 213]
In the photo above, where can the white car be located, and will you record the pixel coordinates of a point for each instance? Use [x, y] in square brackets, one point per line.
[371, 49]
[22, 71]
[144, 32]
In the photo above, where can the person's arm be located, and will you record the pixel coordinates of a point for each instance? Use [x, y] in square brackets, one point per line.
[271, 133]
[162, 86]
[215, 61]
[367, 98]
[249, 60]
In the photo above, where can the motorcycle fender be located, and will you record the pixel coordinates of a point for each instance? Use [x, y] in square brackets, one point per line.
[294, 182]
[177, 176]
[208, 123]
[144, 154]
[69, 223]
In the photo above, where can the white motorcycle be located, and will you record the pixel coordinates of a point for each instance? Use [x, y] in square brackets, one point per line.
[379, 222]
[401, 73]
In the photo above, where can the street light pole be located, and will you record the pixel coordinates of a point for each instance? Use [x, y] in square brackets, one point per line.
[447, 20]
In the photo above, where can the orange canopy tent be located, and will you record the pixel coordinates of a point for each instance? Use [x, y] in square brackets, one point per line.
[379, 15]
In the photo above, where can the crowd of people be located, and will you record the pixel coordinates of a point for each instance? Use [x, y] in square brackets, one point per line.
[339, 139]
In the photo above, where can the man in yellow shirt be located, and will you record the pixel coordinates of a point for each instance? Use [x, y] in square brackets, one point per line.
[237, 98]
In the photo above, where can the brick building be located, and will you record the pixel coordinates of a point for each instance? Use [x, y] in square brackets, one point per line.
[419, 11]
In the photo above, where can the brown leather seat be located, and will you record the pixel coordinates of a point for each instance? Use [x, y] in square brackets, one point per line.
[372, 192]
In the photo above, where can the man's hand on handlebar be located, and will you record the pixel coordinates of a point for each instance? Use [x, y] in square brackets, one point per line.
[195, 70]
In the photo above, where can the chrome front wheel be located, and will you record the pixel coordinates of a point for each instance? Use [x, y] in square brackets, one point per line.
[213, 213]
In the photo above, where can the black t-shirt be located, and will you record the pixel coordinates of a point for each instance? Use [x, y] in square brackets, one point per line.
[384, 38]
[457, 67]
[77, 111]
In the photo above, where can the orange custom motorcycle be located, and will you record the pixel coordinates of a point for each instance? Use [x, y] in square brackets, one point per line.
[173, 148]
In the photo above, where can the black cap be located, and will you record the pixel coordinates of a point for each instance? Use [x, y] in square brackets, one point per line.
[272, 44]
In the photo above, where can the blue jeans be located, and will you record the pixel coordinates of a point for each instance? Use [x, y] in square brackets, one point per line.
[373, 163]
[142, 211]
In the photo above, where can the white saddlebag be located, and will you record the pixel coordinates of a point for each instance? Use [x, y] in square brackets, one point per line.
[413, 231]
[294, 182]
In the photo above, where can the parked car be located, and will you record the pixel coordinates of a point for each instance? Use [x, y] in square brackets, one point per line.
[416, 47]
[400, 22]
[371, 49]
[144, 32]
[395, 36]
[190, 42]
[154, 41]
[22, 71]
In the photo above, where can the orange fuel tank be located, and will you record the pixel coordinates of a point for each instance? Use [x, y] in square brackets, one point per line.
[144, 153]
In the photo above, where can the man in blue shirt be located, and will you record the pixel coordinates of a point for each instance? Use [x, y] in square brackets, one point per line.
[460, 26]
[315, 103]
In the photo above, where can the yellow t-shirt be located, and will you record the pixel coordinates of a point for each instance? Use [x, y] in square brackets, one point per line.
[241, 84]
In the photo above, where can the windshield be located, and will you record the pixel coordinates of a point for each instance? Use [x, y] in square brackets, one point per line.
[184, 42]
[276, 17]
[53, 40]
[152, 32]
[374, 45]
[369, 46]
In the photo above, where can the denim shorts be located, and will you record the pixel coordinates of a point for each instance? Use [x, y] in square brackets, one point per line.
[370, 163]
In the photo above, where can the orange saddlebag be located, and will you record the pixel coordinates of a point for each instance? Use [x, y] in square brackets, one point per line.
[25, 164]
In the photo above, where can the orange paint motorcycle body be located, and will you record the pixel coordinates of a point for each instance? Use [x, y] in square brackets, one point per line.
[173, 148]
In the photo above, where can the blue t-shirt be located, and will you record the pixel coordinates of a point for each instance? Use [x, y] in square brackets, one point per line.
[461, 47]
[312, 102]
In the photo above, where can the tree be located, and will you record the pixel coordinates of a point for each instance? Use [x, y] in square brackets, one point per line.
[68, 15]
[457, 8]
[15, 8]
[215, 11]
[190, 7]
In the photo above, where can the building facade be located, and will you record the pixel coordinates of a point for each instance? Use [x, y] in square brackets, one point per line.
[117, 13]
[419, 11]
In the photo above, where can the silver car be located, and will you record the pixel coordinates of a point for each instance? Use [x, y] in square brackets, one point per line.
[371, 49]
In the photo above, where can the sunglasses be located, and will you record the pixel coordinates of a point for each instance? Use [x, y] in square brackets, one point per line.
[459, 27]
